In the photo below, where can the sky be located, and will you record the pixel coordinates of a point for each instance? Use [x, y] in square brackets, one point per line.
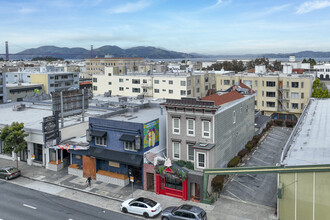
[215, 27]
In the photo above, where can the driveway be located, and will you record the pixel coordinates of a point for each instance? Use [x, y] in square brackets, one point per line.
[260, 188]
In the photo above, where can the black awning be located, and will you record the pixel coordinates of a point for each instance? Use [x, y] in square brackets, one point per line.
[127, 137]
[121, 157]
[98, 133]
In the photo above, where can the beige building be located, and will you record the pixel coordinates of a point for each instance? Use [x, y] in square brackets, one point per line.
[284, 94]
[97, 65]
[156, 85]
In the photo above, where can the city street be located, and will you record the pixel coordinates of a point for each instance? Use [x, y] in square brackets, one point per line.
[23, 203]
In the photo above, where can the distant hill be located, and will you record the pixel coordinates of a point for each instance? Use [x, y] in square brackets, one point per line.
[81, 53]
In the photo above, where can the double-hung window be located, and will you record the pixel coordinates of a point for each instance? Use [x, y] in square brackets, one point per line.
[206, 129]
[190, 127]
[190, 152]
[176, 150]
[101, 141]
[128, 145]
[176, 125]
[201, 159]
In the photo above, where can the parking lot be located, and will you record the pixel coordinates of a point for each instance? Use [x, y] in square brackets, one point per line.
[260, 188]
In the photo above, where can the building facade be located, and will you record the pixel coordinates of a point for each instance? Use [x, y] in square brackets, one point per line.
[3, 92]
[17, 92]
[54, 82]
[280, 95]
[323, 71]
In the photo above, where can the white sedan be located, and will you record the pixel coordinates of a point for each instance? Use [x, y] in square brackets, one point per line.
[141, 206]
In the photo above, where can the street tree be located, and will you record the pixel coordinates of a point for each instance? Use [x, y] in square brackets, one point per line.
[13, 138]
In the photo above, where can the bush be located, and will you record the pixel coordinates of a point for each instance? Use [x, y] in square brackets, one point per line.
[290, 123]
[256, 138]
[278, 122]
[269, 124]
[242, 153]
[233, 162]
[217, 183]
[181, 163]
[190, 165]
[249, 146]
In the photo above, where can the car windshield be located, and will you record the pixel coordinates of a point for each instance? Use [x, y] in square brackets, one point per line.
[202, 214]
[12, 170]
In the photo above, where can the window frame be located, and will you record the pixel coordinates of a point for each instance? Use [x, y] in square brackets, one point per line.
[197, 164]
[100, 141]
[234, 117]
[131, 147]
[188, 155]
[193, 129]
[203, 129]
[179, 146]
[173, 128]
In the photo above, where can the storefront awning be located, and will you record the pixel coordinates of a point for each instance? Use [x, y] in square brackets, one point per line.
[98, 133]
[121, 157]
[127, 137]
[69, 147]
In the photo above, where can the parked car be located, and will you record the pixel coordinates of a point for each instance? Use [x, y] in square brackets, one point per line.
[184, 212]
[141, 206]
[9, 173]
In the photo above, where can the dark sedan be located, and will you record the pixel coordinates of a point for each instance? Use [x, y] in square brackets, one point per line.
[9, 173]
[183, 212]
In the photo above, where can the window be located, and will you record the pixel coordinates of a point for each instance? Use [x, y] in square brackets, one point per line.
[145, 90]
[255, 83]
[287, 84]
[121, 80]
[176, 150]
[176, 125]
[197, 90]
[255, 103]
[182, 92]
[135, 81]
[156, 81]
[109, 74]
[294, 95]
[263, 83]
[295, 85]
[190, 152]
[95, 80]
[144, 81]
[206, 88]
[197, 81]
[302, 105]
[95, 88]
[206, 129]
[191, 127]
[163, 80]
[294, 105]
[302, 95]
[164, 90]
[156, 90]
[121, 88]
[189, 92]
[170, 82]
[302, 84]
[170, 91]
[270, 84]
[206, 79]
[183, 83]
[189, 83]
[136, 90]
[263, 93]
[109, 83]
[201, 160]
[129, 145]
[270, 104]
[270, 94]
[234, 117]
[101, 141]
[226, 82]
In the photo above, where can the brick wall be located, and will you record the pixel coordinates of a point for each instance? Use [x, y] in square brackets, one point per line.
[147, 168]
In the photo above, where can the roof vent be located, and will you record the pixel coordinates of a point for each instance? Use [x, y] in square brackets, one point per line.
[19, 107]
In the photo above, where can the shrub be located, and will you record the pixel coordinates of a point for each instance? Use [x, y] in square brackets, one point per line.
[233, 162]
[181, 163]
[249, 146]
[217, 183]
[190, 165]
[264, 131]
[290, 123]
[256, 138]
[269, 124]
[242, 152]
[278, 122]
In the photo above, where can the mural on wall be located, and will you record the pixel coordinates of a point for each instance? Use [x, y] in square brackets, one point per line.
[151, 134]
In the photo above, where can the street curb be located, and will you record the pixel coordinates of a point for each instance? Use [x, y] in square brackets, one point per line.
[72, 188]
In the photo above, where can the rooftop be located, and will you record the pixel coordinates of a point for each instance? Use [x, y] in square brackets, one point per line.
[141, 116]
[225, 98]
[309, 141]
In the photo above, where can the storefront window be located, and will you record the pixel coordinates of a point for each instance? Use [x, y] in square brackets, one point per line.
[174, 183]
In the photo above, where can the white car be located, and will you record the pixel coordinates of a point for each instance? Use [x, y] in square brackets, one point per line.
[141, 206]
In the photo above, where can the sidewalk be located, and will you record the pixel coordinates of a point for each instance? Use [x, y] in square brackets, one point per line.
[110, 196]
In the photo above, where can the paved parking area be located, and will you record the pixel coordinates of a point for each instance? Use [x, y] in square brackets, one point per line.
[260, 188]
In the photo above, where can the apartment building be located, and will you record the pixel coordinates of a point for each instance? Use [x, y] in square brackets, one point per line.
[97, 65]
[56, 81]
[323, 71]
[3, 92]
[156, 85]
[279, 95]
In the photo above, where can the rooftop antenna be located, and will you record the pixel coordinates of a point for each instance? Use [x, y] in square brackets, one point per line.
[7, 51]
[91, 51]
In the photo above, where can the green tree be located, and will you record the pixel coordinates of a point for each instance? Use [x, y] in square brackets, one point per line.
[319, 90]
[13, 137]
[276, 66]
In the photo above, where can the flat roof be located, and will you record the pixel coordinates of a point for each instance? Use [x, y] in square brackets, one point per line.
[142, 116]
[309, 143]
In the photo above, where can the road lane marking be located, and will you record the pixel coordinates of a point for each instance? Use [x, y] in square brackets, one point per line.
[31, 207]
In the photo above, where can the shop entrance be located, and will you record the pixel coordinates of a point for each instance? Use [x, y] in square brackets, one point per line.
[150, 182]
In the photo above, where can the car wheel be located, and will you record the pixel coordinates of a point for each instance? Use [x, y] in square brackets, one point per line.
[146, 215]
[165, 218]
[124, 210]
[6, 178]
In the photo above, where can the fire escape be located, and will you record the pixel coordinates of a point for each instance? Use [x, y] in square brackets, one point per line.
[282, 99]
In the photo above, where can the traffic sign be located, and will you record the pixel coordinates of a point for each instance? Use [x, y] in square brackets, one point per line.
[32, 157]
[131, 178]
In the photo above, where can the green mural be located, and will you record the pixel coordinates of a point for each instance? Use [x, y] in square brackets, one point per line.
[151, 134]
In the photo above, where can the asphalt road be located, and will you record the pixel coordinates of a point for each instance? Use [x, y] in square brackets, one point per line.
[17, 203]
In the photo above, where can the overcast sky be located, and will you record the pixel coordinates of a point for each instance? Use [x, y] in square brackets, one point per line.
[201, 26]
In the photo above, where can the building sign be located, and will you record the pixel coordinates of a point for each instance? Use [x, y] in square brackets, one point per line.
[50, 128]
[32, 157]
[114, 164]
[131, 178]
[151, 134]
